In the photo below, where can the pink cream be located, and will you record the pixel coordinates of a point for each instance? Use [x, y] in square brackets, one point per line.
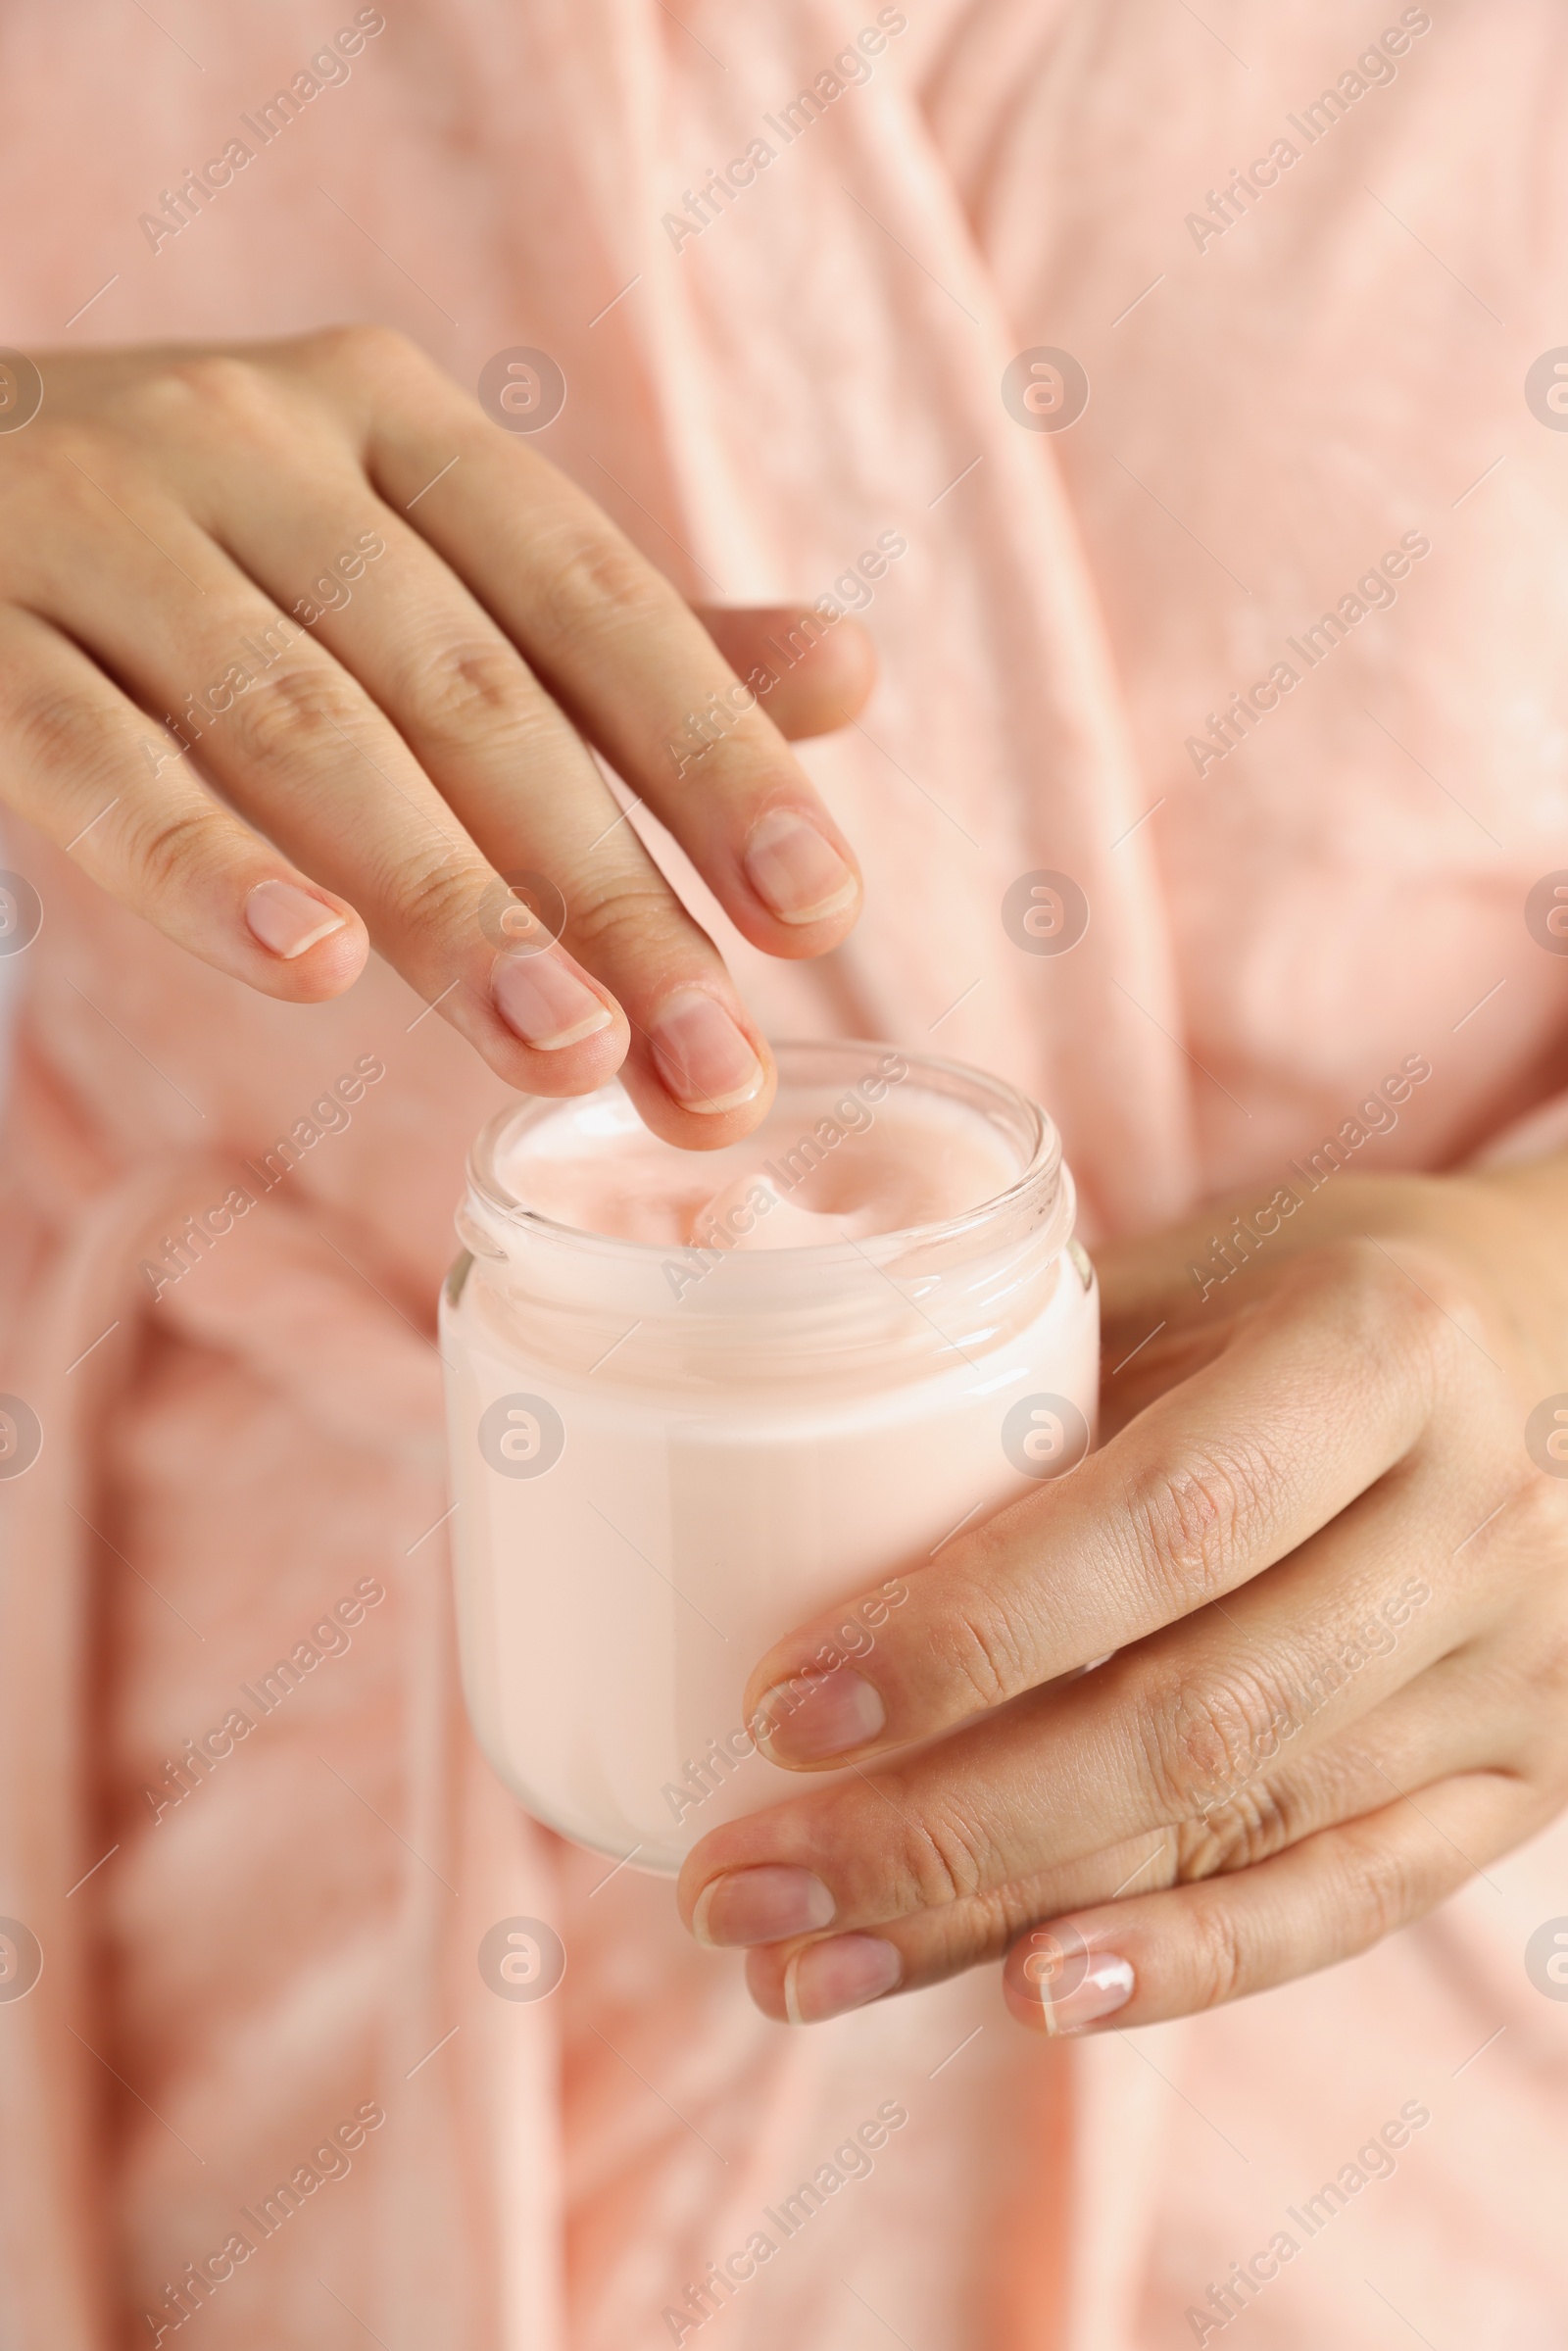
[696, 1397]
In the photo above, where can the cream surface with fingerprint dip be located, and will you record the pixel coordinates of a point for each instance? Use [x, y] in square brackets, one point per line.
[696, 1397]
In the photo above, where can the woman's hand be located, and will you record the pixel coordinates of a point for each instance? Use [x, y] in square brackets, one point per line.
[297, 646]
[1336, 1581]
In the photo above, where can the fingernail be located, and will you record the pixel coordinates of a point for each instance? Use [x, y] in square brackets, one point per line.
[762, 1906]
[1058, 1984]
[287, 919]
[826, 1979]
[795, 869]
[817, 1715]
[703, 1060]
[544, 1002]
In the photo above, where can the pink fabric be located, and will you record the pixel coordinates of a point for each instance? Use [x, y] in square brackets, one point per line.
[298, 1936]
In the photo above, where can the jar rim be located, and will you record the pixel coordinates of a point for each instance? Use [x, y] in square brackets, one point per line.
[1038, 1192]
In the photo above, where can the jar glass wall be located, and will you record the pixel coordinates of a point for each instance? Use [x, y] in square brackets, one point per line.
[668, 1451]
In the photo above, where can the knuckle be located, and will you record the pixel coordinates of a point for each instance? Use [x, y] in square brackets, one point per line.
[1258, 1821]
[296, 715]
[1395, 1313]
[361, 351]
[57, 731]
[70, 468]
[977, 1647]
[947, 1857]
[475, 689]
[1537, 1529]
[437, 898]
[218, 387]
[167, 851]
[618, 926]
[1188, 1519]
[1547, 1666]
[594, 583]
[1206, 1742]
[895, 1843]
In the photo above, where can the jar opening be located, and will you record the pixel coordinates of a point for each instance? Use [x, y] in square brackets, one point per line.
[868, 1153]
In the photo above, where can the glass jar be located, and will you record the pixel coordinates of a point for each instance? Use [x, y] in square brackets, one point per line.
[666, 1456]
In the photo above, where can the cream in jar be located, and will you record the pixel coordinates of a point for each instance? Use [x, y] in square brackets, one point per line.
[697, 1398]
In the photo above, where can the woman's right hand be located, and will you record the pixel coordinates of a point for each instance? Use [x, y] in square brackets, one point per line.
[188, 540]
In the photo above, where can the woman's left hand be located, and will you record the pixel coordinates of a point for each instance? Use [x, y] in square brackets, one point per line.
[1321, 1544]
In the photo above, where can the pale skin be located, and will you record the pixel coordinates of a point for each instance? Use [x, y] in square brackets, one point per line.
[1286, 1460]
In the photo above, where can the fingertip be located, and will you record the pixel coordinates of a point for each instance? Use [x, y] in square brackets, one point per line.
[580, 1045]
[288, 917]
[549, 1004]
[802, 874]
[831, 686]
[1063, 1978]
[811, 674]
[302, 943]
[700, 1072]
[764, 1980]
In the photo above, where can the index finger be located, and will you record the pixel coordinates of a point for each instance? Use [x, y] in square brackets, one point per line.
[1316, 1395]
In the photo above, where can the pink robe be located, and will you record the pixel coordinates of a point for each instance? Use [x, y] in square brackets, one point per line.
[1276, 398]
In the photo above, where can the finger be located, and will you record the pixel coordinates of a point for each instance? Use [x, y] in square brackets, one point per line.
[816, 691]
[86, 767]
[505, 760]
[298, 747]
[1194, 1947]
[1177, 1728]
[1315, 1395]
[630, 665]
[1448, 1722]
